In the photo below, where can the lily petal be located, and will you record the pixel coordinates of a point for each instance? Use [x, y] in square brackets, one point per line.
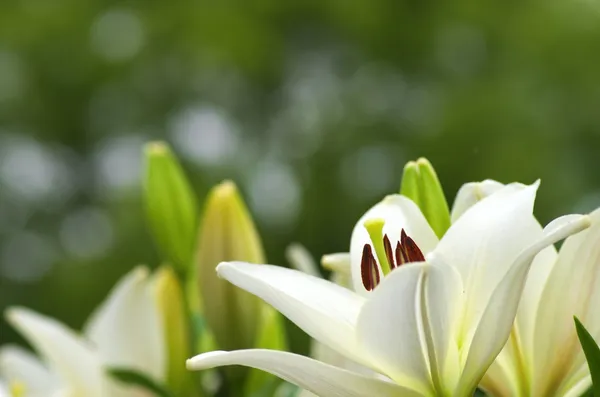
[484, 243]
[390, 329]
[443, 293]
[19, 366]
[322, 379]
[399, 213]
[471, 193]
[573, 289]
[300, 259]
[496, 322]
[324, 310]
[338, 262]
[71, 357]
[126, 328]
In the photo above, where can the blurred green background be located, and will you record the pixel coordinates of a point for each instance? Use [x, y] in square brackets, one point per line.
[312, 107]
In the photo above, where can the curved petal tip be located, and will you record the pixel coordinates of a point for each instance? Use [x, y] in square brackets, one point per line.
[205, 360]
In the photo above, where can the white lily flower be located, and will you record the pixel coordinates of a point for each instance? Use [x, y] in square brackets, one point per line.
[124, 332]
[430, 328]
[543, 356]
[339, 265]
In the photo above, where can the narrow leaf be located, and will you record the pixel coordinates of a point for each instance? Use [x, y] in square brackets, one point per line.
[136, 378]
[592, 355]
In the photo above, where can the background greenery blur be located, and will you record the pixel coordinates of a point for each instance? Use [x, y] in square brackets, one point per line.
[311, 106]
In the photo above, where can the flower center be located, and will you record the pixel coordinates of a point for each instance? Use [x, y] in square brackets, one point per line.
[406, 251]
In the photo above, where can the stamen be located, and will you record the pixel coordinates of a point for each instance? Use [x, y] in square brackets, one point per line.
[400, 255]
[388, 252]
[375, 229]
[368, 269]
[411, 249]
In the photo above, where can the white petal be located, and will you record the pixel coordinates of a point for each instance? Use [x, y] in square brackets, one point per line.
[526, 315]
[573, 289]
[390, 328]
[471, 193]
[579, 388]
[399, 213]
[517, 355]
[72, 358]
[303, 393]
[496, 322]
[324, 310]
[127, 329]
[327, 355]
[21, 367]
[300, 259]
[499, 380]
[443, 294]
[338, 262]
[322, 379]
[484, 243]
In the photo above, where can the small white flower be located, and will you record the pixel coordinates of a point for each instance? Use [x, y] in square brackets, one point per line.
[429, 328]
[125, 332]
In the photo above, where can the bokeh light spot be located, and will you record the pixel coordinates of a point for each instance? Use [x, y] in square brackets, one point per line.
[86, 233]
[26, 257]
[117, 35]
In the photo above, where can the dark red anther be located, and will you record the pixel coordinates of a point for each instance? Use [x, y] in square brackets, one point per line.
[411, 249]
[400, 255]
[369, 270]
[388, 252]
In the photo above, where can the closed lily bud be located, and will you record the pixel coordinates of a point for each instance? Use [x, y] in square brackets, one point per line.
[421, 184]
[227, 233]
[171, 206]
[171, 307]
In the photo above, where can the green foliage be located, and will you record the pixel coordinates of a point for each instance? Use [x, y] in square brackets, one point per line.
[136, 378]
[592, 355]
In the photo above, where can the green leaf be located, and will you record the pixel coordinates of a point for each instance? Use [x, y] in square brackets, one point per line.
[171, 206]
[592, 354]
[136, 378]
[271, 335]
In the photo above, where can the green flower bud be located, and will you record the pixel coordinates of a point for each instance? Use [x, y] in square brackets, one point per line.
[236, 319]
[172, 309]
[171, 206]
[421, 184]
[227, 233]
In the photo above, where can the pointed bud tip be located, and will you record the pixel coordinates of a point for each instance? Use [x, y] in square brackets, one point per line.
[165, 273]
[225, 189]
[411, 166]
[422, 161]
[156, 148]
[140, 272]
